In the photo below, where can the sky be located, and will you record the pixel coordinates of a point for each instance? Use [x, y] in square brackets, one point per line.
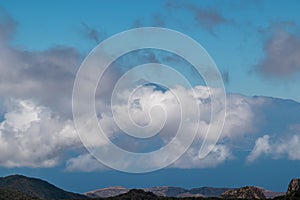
[255, 45]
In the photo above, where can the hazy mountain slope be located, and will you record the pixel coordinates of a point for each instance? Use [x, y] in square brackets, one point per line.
[107, 192]
[271, 194]
[166, 191]
[209, 191]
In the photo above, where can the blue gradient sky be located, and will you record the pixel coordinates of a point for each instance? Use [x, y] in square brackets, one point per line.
[236, 46]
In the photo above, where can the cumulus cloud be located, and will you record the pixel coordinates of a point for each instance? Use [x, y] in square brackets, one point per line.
[31, 136]
[261, 147]
[36, 128]
[282, 53]
[35, 98]
[239, 114]
[37, 131]
[282, 147]
[138, 110]
[44, 75]
[289, 147]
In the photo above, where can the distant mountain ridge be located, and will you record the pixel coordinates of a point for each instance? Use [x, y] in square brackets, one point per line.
[36, 188]
[165, 191]
[209, 191]
[107, 192]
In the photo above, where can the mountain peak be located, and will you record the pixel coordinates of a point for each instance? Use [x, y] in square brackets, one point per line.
[294, 188]
[248, 192]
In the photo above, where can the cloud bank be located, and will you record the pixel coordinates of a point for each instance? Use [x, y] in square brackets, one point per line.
[36, 128]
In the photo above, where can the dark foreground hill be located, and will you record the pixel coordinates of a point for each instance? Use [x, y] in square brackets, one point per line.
[143, 195]
[36, 188]
[15, 195]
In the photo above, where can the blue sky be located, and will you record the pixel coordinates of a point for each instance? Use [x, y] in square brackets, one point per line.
[255, 45]
[246, 28]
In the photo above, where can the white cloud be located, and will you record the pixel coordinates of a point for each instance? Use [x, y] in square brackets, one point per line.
[284, 147]
[289, 147]
[261, 147]
[84, 163]
[21, 116]
[218, 155]
[42, 75]
[30, 136]
[33, 136]
[240, 115]
[239, 121]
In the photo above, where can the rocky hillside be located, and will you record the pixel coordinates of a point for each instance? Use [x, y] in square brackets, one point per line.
[248, 192]
[293, 191]
[294, 186]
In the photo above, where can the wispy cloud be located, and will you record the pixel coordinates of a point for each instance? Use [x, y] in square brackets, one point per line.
[281, 51]
[92, 33]
[207, 18]
[7, 26]
[226, 77]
